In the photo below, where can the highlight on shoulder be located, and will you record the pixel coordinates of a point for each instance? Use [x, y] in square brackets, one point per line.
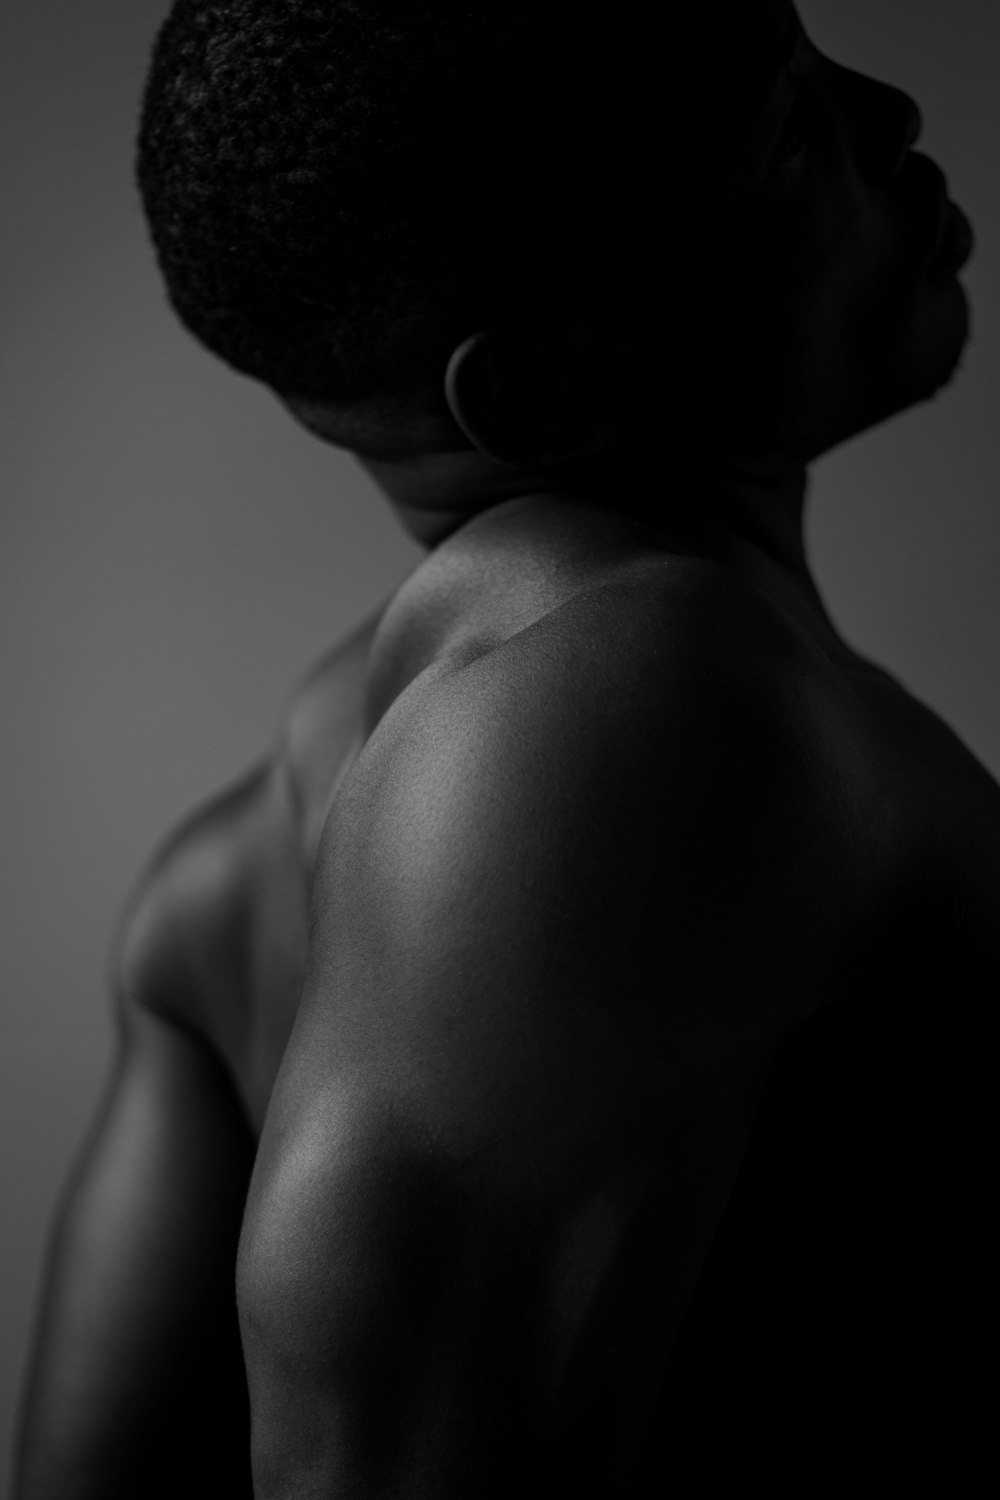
[649, 786]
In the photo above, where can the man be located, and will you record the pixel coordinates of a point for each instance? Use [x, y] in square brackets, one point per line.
[561, 1069]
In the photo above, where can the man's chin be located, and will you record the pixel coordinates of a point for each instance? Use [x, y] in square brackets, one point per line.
[925, 376]
[942, 354]
[936, 350]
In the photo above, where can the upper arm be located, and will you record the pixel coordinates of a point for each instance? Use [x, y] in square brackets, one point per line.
[543, 985]
[136, 1366]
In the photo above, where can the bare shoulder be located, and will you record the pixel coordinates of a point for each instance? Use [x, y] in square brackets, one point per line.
[664, 684]
[186, 924]
[653, 791]
[189, 902]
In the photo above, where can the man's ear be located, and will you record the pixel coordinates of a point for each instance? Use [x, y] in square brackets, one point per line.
[527, 402]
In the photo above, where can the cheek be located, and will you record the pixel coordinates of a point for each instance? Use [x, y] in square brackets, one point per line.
[834, 322]
[852, 294]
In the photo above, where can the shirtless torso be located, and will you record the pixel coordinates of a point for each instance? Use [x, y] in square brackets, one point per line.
[811, 1333]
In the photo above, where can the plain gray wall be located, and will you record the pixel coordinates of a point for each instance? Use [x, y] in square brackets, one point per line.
[174, 552]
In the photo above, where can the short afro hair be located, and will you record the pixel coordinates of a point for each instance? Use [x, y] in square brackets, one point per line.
[338, 190]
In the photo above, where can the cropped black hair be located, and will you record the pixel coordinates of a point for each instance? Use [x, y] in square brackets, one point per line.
[339, 189]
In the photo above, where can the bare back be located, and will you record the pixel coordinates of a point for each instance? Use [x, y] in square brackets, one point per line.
[835, 1219]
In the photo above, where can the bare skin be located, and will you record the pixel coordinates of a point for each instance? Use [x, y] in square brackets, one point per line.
[600, 926]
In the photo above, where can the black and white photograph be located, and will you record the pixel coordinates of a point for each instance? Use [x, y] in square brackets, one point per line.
[500, 822]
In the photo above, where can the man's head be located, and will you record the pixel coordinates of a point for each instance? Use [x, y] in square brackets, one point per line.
[422, 222]
[340, 190]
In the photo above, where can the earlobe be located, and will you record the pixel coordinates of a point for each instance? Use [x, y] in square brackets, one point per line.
[522, 406]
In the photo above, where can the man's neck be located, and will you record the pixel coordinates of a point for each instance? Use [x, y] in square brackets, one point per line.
[754, 519]
[435, 494]
[747, 513]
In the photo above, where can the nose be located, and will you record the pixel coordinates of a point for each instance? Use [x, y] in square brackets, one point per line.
[886, 124]
[909, 122]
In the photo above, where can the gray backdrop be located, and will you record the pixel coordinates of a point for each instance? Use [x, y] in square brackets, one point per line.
[174, 552]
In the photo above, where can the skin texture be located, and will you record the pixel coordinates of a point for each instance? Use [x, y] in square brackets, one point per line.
[455, 1042]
